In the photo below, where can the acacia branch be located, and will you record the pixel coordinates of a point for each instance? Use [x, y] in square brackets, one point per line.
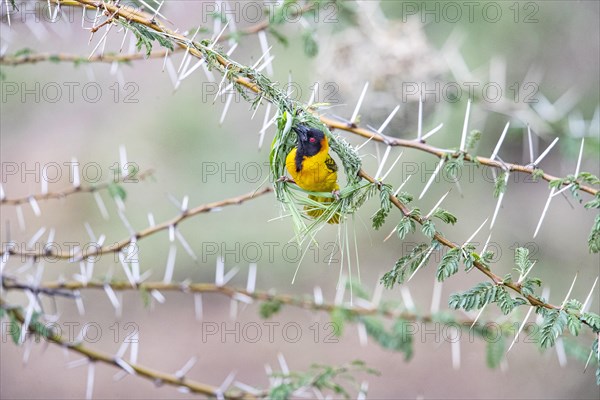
[497, 280]
[140, 370]
[131, 178]
[424, 147]
[118, 246]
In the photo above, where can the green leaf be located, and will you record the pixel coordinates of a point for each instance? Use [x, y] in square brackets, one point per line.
[14, 328]
[494, 351]
[574, 324]
[592, 319]
[279, 36]
[445, 216]
[593, 203]
[454, 165]
[594, 238]
[474, 298]
[407, 264]
[398, 339]
[527, 286]
[552, 327]
[270, 308]
[500, 185]
[522, 260]
[339, 316]
[556, 183]
[405, 226]
[117, 191]
[428, 228]
[404, 198]
[588, 178]
[537, 174]
[472, 139]
[311, 47]
[449, 264]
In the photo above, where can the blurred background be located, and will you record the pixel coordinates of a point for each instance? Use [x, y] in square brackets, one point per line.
[542, 55]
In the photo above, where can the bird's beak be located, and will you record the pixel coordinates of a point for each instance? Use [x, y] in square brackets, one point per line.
[302, 133]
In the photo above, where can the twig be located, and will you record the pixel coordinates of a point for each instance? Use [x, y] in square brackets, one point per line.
[74, 189]
[141, 370]
[421, 146]
[118, 246]
[516, 286]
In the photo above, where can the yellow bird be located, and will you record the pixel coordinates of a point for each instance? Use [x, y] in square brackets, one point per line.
[313, 169]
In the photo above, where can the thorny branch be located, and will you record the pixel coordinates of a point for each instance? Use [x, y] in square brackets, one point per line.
[153, 23]
[76, 189]
[118, 246]
[154, 375]
[116, 10]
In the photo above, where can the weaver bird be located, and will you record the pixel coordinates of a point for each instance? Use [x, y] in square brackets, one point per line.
[313, 169]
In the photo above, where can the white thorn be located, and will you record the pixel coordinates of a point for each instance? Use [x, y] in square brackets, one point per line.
[112, 296]
[560, 352]
[313, 94]
[436, 297]
[198, 306]
[500, 198]
[187, 367]
[486, 243]
[520, 329]
[318, 295]
[230, 274]
[101, 205]
[476, 232]
[20, 217]
[392, 167]
[383, 160]
[359, 103]
[500, 141]
[437, 205]
[541, 157]
[90, 380]
[407, 298]
[456, 349]
[389, 118]
[420, 120]
[170, 264]
[432, 132]
[430, 181]
[158, 296]
[264, 45]
[425, 259]
[251, 284]
[477, 317]
[226, 108]
[36, 236]
[544, 212]
[588, 299]
[75, 172]
[402, 185]
[570, 290]
[530, 139]
[463, 139]
[579, 158]
[362, 334]
[283, 365]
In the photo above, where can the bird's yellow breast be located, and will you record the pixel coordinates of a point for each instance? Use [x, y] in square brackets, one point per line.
[314, 176]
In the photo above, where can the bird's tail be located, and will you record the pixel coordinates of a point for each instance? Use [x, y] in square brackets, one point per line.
[316, 212]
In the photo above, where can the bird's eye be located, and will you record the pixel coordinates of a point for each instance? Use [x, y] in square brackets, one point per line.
[312, 140]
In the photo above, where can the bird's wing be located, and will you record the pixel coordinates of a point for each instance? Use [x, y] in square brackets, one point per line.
[330, 163]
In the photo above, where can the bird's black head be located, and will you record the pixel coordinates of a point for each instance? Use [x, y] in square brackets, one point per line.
[309, 140]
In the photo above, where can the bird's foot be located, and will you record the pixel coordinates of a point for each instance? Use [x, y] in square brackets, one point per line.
[336, 194]
[285, 179]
